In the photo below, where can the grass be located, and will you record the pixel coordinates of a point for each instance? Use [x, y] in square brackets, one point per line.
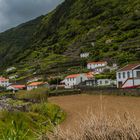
[37, 95]
[37, 119]
[41, 118]
[51, 111]
[102, 127]
[108, 119]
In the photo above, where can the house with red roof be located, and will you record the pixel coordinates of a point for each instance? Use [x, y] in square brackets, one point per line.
[4, 82]
[75, 79]
[35, 85]
[97, 67]
[129, 76]
[16, 87]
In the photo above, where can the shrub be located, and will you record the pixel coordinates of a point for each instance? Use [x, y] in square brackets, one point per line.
[36, 95]
[52, 112]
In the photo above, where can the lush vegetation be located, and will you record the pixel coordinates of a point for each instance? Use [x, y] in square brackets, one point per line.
[28, 116]
[108, 29]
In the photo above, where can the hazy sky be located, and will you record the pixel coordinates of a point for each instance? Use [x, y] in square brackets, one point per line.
[14, 12]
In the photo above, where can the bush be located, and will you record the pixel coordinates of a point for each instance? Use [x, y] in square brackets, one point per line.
[53, 112]
[32, 125]
[36, 95]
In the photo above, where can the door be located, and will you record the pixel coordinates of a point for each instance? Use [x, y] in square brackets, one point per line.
[81, 79]
[120, 84]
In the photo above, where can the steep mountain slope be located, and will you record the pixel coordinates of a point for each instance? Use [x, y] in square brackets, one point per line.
[16, 40]
[108, 29]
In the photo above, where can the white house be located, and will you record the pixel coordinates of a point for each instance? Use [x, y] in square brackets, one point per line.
[76, 79]
[101, 82]
[106, 82]
[97, 67]
[4, 82]
[128, 76]
[10, 69]
[84, 55]
[13, 77]
[35, 79]
[114, 67]
[16, 87]
[36, 85]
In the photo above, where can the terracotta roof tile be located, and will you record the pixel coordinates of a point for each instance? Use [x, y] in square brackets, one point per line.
[73, 76]
[99, 62]
[36, 83]
[129, 67]
[3, 79]
[19, 86]
[89, 75]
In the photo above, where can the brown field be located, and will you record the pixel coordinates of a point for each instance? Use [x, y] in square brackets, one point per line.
[77, 105]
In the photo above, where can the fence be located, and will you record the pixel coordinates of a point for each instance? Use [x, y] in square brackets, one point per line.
[110, 91]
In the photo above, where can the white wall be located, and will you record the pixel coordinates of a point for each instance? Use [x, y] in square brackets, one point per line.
[123, 79]
[105, 82]
[4, 83]
[130, 83]
[70, 82]
[93, 66]
[31, 87]
[84, 55]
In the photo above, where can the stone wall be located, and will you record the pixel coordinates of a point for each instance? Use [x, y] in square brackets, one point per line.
[110, 91]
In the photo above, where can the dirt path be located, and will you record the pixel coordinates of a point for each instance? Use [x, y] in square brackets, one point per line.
[77, 105]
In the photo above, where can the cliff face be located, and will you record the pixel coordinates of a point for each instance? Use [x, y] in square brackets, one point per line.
[108, 29]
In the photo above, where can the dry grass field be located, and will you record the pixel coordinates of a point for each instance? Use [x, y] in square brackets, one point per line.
[77, 106]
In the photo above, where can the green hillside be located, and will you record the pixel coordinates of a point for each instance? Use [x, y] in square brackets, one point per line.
[108, 29]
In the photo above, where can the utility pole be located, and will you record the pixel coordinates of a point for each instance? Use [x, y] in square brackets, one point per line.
[133, 78]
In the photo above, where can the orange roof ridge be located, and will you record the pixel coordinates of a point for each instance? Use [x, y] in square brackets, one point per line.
[73, 76]
[129, 67]
[36, 83]
[3, 79]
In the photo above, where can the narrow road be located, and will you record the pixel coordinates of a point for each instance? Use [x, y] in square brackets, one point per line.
[77, 105]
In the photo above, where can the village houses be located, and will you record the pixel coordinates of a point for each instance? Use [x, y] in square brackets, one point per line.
[35, 79]
[84, 55]
[75, 79]
[128, 76]
[4, 82]
[97, 67]
[36, 85]
[100, 82]
[10, 69]
[15, 88]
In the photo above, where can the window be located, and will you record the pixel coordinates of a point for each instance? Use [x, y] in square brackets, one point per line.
[100, 82]
[119, 75]
[106, 82]
[138, 74]
[123, 74]
[81, 79]
[128, 74]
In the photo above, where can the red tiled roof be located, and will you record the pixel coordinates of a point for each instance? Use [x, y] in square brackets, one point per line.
[129, 67]
[3, 79]
[132, 87]
[89, 75]
[73, 76]
[36, 84]
[99, 62]
[19, 86]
